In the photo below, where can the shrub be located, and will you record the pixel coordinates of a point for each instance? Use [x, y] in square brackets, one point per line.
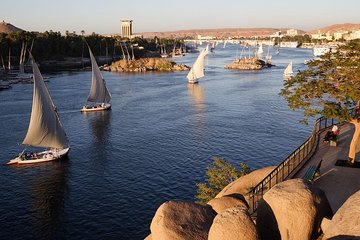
[218, 175]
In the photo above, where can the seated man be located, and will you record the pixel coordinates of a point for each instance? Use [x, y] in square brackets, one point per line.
[331, 135]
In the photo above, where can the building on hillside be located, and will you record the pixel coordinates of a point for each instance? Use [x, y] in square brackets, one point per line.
[291, 32]
[355, 35]
[126, 28]
[339, 35]
[277, 34]
[322, 36]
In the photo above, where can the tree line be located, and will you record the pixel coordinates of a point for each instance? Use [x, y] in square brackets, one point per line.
[50, 45]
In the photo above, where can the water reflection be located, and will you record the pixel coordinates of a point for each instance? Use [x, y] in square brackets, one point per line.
[100, 147]
[48, 191]
[196, 93]
[100, 124]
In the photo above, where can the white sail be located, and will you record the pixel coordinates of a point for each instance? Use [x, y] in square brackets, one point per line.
[197, 70]
[98, 91]
[260, 51]
[288, 70]
[45, 129]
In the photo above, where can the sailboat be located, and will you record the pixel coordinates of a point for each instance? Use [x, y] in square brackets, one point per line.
[197, 69]
[288, 72]
[260, 51]
[45, 129]
[99, 93]
[163, 53]
[268, 56]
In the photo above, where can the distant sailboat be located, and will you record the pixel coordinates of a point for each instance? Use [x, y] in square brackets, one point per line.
[197, 70]
[163, 53]
[260, 51]
[45, 129]
[99, 93]
[288, 70]
[225, 42]
[268, 56]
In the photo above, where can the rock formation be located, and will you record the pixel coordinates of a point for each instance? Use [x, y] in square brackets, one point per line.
[233, 224]
[292, 210]
[181, 220]
[146, 64]
[221, 204]
[243, 184]
[252, 63]
[346, 222]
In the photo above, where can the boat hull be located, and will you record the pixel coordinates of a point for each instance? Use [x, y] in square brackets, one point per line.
[102, 107]
[195, 81]
[45, 156]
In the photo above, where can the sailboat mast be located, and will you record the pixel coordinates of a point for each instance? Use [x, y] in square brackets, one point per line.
[9, 67]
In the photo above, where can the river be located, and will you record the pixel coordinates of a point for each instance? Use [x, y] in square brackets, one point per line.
[153, 146]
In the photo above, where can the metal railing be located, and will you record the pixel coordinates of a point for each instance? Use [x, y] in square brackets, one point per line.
[281, 172]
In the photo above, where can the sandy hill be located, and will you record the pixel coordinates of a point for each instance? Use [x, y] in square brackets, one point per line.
[8, 28]
[220, 33]
[337, 28]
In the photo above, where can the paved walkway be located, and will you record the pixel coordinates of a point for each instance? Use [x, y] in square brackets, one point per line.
[338, 183]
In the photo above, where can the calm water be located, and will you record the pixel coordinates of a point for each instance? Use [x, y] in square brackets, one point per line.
[153, 146]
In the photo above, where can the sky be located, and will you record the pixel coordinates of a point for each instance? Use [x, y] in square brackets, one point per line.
[103, 17]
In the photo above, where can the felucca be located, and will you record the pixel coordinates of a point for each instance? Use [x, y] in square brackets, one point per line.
[45, 129]
[288, 72]
[99, 94]
[197, 69]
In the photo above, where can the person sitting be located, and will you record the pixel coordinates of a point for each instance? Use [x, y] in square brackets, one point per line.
[331, 135]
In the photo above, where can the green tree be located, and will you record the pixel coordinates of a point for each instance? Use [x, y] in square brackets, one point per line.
[330, 87]
[218, 176]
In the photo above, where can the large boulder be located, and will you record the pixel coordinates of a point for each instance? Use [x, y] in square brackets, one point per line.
[177, 220]
[228, 201]
[292, 209]
[243, 184]
[346, 221]
[149, 237]
[233, 224]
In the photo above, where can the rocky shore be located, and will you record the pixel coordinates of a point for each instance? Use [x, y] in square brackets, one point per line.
[293, 209]
[146, 64]
[247, 64]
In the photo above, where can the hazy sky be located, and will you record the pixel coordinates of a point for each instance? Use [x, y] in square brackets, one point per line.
[166, 15]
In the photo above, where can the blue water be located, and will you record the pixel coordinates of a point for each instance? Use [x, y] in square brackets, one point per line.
[153, 146]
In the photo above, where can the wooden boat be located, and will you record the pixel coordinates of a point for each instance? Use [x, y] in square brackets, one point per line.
[45, 129]
[99, 94]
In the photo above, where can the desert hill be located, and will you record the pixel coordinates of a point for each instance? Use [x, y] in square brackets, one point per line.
[338, 28]
[220, 33]
[8, 28]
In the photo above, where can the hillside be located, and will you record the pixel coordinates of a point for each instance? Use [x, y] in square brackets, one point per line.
[337, 28]
[8, 28]
[220, 33]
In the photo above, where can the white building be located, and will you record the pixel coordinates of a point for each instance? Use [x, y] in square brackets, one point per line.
[289, 44]
[292, 32]
[126, 28]
[355, 35]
